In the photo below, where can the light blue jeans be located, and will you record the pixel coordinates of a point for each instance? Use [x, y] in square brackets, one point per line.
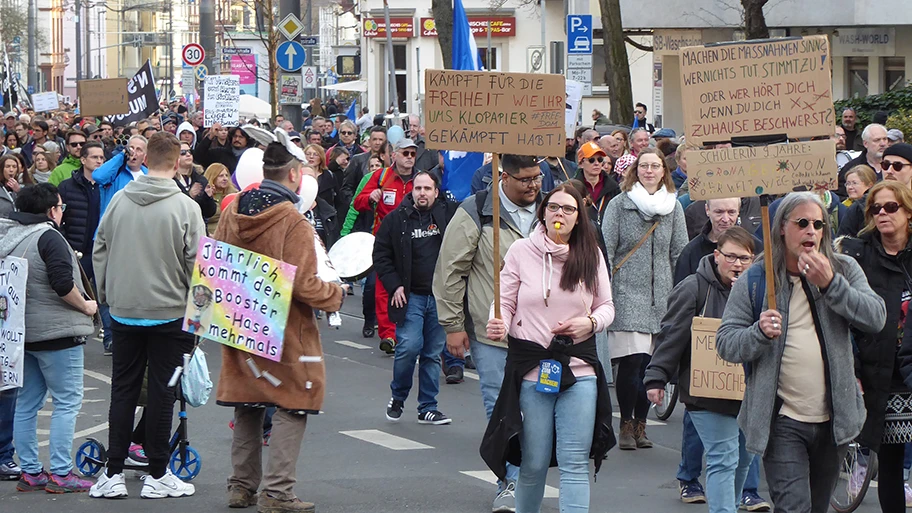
[571, 413]
[60, 373]
[490, 362]
[727, 460]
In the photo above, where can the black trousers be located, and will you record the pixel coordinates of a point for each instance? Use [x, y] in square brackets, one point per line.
[162, 349]
[890, 478]
[368, 301]
[631, 392]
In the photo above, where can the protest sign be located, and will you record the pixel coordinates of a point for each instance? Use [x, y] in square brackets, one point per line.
[768, 87]
[102, 97]
[222, 100]
[143, 102]
[711, 376]
[239, 298]
[13, 276]
[774, 169]
[44, 102]
[574, 98]
[519, 113]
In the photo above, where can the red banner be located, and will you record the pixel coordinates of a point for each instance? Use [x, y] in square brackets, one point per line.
[401, 27]
[501, 26]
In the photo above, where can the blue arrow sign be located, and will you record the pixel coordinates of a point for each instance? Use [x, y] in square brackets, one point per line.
[579, 34]
[290, 56]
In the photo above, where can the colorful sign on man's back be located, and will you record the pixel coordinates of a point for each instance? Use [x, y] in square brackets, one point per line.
[239, 298]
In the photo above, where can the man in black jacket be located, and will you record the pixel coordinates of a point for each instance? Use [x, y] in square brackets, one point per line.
[80, 194]
[722, 214]
[405, 254]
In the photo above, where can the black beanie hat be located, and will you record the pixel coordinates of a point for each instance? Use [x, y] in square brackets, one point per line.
[903, 150]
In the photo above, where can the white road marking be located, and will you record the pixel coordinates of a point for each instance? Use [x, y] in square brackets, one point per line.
[383, 439]
[489, 477]
[470, 375]
[649, 422]
[349, 343]
[79, 434]
[97, 375]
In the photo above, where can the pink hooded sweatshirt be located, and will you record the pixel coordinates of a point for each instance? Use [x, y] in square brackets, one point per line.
[531, 273]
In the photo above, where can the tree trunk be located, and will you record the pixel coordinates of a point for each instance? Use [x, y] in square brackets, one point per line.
[754, 21]
[442, 11]
[620, 94]
[272, 42]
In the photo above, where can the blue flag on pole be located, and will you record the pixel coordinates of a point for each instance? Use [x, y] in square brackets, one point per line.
[352, 114]
[459, 166]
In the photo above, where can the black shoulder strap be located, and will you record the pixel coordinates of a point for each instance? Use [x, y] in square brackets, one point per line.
[480, 198]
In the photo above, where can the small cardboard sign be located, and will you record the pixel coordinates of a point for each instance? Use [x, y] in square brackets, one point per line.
[45, 102]
[710, 376]
[775, 169]
[481, 111]
[754, 88]
[221, 102]
[102, 97]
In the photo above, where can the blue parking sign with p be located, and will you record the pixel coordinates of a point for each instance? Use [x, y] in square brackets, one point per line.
[579, 34]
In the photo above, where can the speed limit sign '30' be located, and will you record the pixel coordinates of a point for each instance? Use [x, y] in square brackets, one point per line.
[193, 54]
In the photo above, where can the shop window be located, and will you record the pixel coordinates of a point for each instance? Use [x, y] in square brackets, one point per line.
[858, 76]
[399, 60]
[599, 73]
[894, 73]
[483, 57]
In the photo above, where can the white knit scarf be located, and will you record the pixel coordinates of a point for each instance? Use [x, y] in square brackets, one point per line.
[661, 203]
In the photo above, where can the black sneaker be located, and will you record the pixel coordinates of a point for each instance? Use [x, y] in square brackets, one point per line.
[367, 331]
[9, 471]
[394, 410]
[433, 417]
[454, 375]
[388, 346]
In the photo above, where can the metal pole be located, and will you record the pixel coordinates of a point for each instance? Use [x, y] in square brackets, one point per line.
[170, 49]
[78, 7]
[292, 112]
[32, 46]
[88, 42]
[120, 49]
[207, 32]
[391, 62]
[544, 38]
[489, 52]
[308, 22]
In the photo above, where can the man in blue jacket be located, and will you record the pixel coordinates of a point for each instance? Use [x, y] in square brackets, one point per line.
[122, 169]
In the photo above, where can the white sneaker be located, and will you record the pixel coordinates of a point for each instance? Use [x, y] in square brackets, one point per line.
[114, 487]
[168, 486]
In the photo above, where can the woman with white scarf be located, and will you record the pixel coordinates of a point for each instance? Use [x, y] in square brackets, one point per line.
[644, 232]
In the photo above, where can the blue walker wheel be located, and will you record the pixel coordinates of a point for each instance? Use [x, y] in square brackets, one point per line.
[90, 457]
[186, 471]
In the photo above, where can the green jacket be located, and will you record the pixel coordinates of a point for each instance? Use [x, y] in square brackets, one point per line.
[65, 170]
[353, 214]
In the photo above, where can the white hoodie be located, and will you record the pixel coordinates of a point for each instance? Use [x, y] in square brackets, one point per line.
[187, 127]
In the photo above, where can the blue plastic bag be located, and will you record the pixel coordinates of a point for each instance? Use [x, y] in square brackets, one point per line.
[195, 380]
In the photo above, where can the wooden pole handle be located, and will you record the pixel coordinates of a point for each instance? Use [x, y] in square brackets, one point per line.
[768, 254]
[495, 190]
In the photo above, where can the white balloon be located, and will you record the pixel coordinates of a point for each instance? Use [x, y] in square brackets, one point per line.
[250, 168]
[307, 193]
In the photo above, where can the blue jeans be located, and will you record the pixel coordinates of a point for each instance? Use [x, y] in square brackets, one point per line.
[7, 412]
[692, 459]
[422, 337]
[490, 362]
[727, 460]
[60, 373]
[105, 312]
[571, 414]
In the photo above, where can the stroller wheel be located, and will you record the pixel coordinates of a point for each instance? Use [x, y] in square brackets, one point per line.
[189, 468]
[90, 457]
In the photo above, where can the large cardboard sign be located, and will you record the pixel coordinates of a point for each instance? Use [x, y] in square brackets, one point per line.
[767, 87]
[13, 277]
[774, 169]
[518, 113]
[222, 99]
[711, 376]
[102, 97]
[239, 298]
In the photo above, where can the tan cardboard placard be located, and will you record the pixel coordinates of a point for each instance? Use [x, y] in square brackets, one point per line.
[775, 169]
[480, 111]
[768, 87]
[711, 376]
[103, 96]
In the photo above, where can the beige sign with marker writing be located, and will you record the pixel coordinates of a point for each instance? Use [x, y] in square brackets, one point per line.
[711, 376]
[774, 169]
[768, 87]
[518, 113]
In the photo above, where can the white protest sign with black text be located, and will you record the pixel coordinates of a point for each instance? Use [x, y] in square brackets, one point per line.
[222, 100]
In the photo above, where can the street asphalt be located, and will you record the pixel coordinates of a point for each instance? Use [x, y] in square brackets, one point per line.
[355, 461]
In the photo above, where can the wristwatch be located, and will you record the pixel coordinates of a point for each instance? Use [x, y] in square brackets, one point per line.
[594, 324]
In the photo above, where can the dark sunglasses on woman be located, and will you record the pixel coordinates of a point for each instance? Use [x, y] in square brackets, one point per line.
[889, 207]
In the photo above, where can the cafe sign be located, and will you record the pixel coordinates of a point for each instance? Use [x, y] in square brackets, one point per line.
[501, 26]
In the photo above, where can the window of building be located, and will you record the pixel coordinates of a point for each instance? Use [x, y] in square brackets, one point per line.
[599, 71]
[894, 73]
[399, 57]
[858, 76]
[483, 58]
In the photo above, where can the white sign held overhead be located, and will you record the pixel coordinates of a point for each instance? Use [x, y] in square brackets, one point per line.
[220, 104]
[310, 77]
[44, 102]
[574, 98]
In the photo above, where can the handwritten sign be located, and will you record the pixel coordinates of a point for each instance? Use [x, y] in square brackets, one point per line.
[103, 96]
[711, 376]
[222, 100]
[774, 169]
[13, 276]
[769, 87]
[44, 102]
[519, 113]
[239, 298]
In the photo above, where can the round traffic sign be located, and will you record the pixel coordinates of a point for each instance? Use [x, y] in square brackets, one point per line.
[201, 71]
[193, 54]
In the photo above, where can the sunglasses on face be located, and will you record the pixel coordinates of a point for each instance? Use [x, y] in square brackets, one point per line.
[889, 207]
[593, 160]
[804, 223]
[77, 144]
[185, 153]
[408, 153]
[897, 166]
[347, 133]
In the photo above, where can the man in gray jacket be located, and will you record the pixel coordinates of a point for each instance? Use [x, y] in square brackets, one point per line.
[802, 405]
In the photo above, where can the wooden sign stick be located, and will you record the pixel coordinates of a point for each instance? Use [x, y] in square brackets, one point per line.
[767, 252]
[495, 190]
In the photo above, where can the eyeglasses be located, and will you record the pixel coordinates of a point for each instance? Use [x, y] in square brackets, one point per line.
[185, 152]
[62, 207]
[638, 112]
[804, 223]
[528, 182]
[744, 259]
[76, 144]
[347, 132]
[889, 207]
[655, 166]
[897, 166]
[568, 210]
[852, 184]
[408, 153]
[593, 160]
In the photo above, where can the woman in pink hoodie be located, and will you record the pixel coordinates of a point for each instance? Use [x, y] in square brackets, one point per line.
[555, 296]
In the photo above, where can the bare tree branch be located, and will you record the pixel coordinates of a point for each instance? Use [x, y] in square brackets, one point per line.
[638, 46]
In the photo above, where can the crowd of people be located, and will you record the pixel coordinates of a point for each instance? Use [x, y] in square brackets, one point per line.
[607, 262]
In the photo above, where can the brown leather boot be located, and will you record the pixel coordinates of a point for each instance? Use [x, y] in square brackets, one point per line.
[639, 434]
[627, 441]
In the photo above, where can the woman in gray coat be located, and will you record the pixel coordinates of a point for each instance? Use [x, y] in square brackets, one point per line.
[644, 232]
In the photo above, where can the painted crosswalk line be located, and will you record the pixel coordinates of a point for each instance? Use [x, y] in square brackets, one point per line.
[383, 439]
[489, 477]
